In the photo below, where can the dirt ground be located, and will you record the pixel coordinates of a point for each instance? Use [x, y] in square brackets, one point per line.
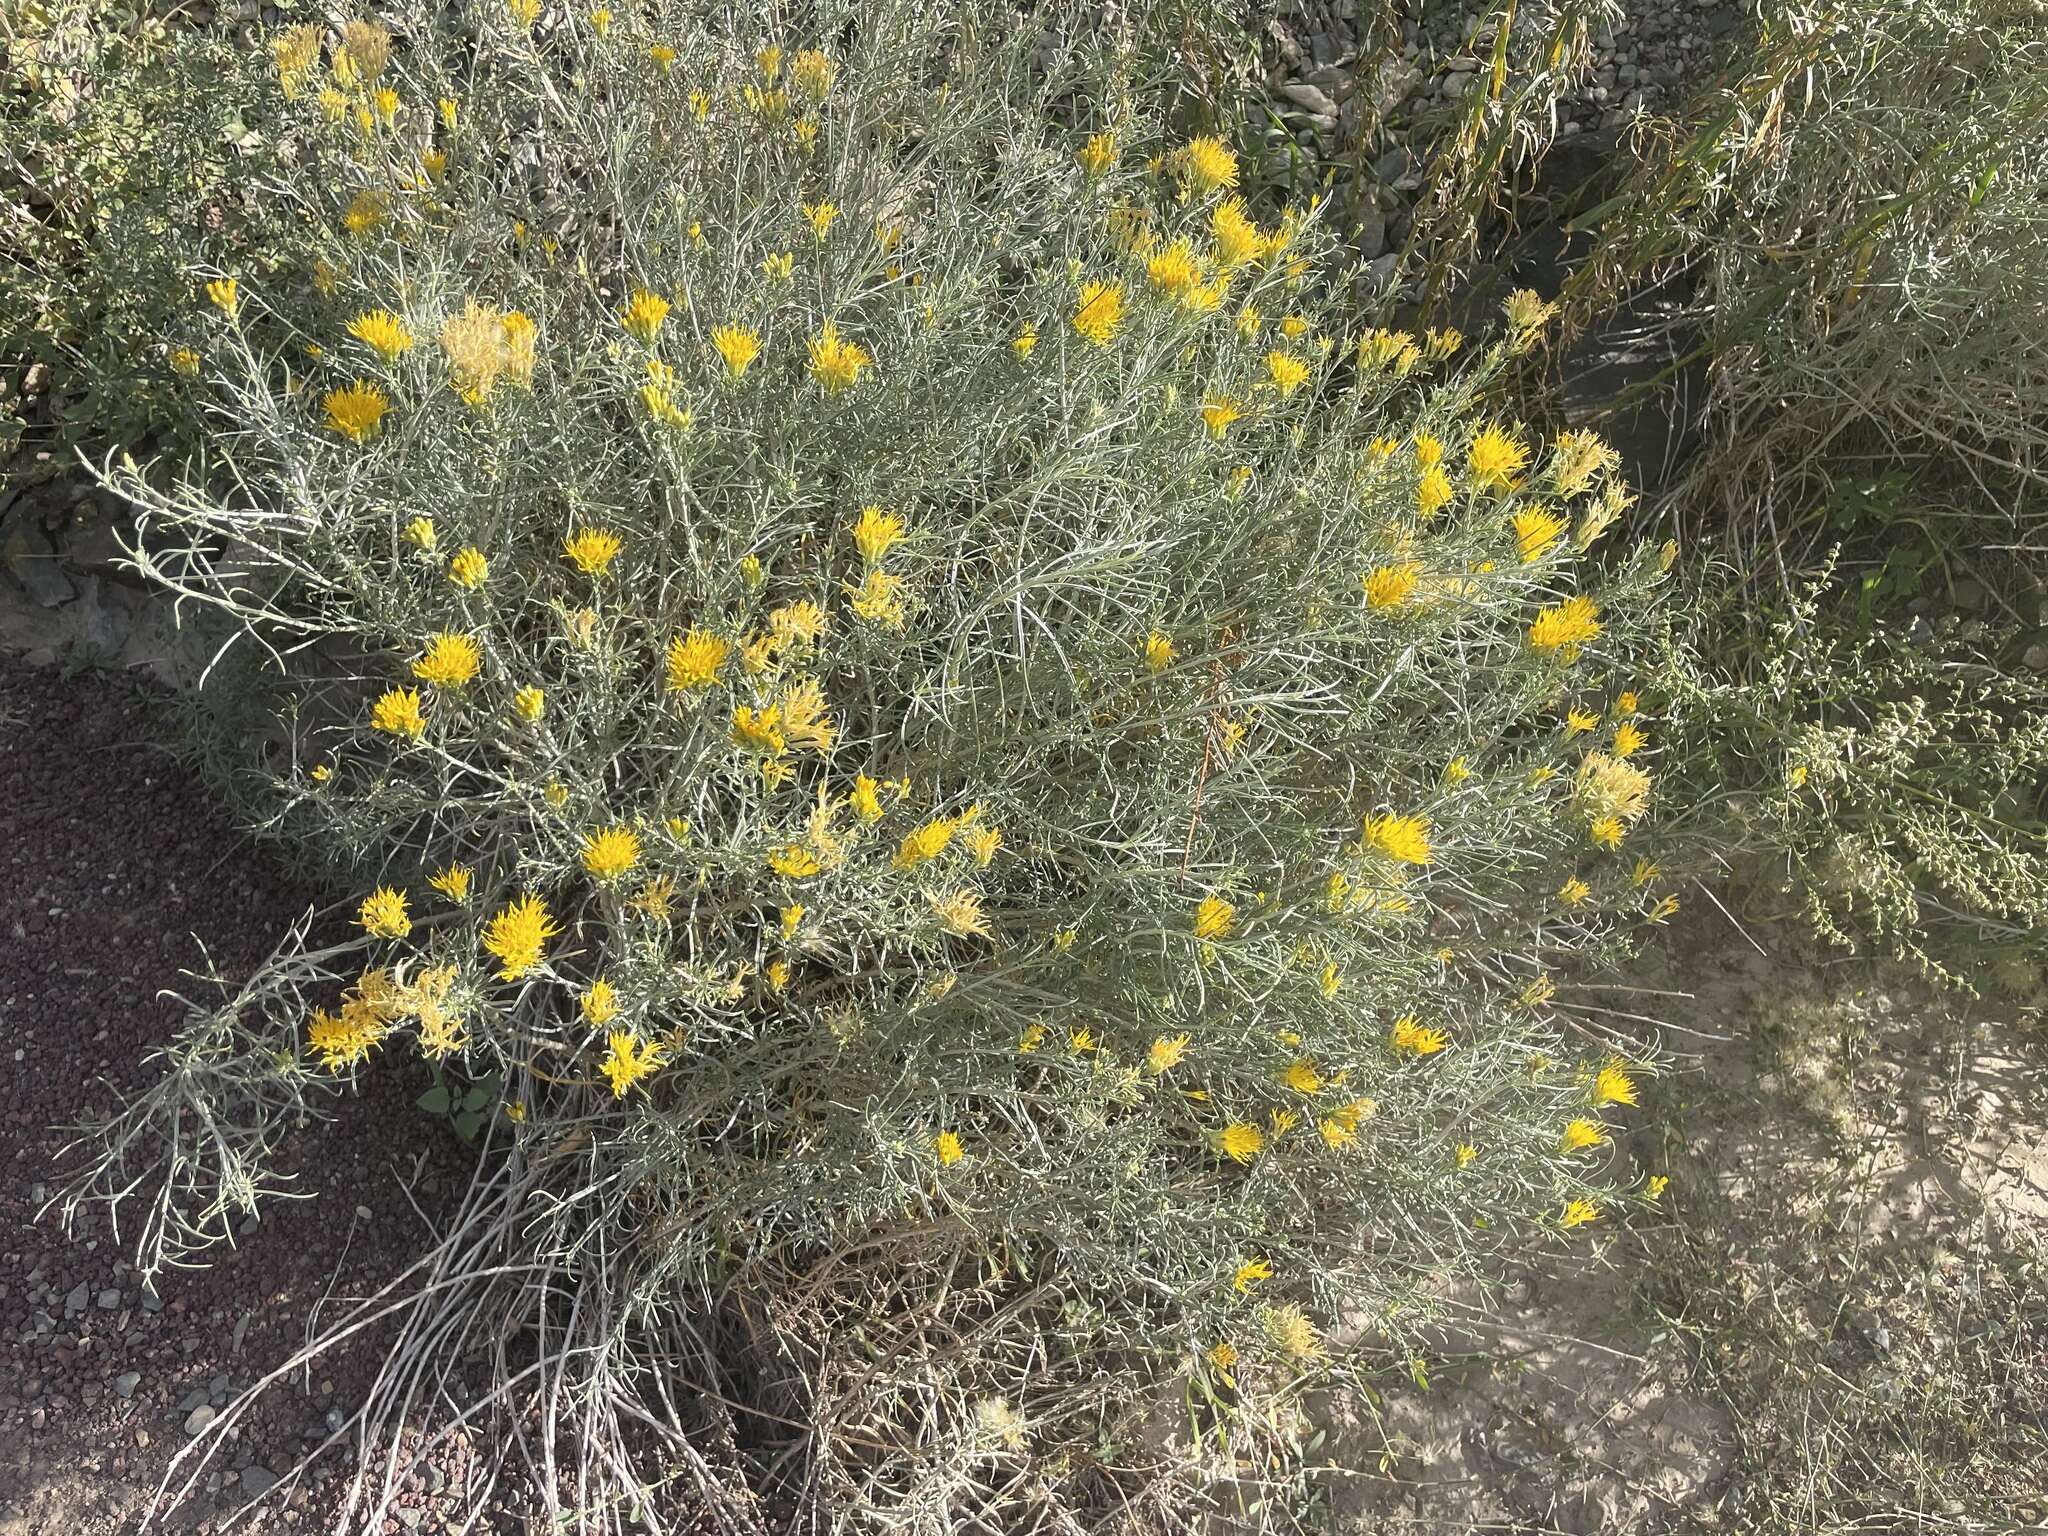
[1837, 1322]
[120, 881]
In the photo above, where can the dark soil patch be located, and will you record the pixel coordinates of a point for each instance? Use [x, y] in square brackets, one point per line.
[117, 870]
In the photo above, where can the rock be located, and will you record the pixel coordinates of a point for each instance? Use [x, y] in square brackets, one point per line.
[104, 620]
[1309, 99]
[151, 1302]
[126, 1383]
[1968, 595]
[38, 1419]
[33, 561]
[1369, 235]
[258, 1480]
[108, 1301]
[197, 1420]
[2035, 657]
[77, 1299]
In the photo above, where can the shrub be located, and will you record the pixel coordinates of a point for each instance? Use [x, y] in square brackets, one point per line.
[1852, 233]
[999, 797]
[1888, 779]
[108, 201]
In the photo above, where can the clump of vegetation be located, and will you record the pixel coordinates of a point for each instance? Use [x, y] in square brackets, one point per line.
[1888, 781]
[976, 766]
[107, 202]
[1849, 233]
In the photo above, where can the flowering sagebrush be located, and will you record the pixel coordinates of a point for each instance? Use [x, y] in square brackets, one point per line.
[991, 737]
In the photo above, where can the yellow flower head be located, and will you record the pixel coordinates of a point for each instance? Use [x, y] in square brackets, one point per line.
[694, 660]
[769, 61]
[820, 217]
[1566, 626]
[517, 934]
[960, 912]
[1432, 492]
[1100, 313]
[1496, 457]
[628, 1060]
[1166, 1053]
[1209, 163]
[879, 599]
[1174, 270]
[592, 550]
[610, 852]
[397, 711]
[835, 362]
[1466, 1154]
[875, 531]
[1582, 1133]
[1214, 917]
[866, 799]
[1302, 1077]
[948, 1149]
[449, 662]
[1613, 1086]
[469, 568]
[452, 882]
[1025, 339]
[1577, 720]
[662, 56]
[1536, 530]
[811, 73]
[926, 842]
[382, 332]
[342, 1042]
[1390, 586]
[780, 268]
[1218, 412]
[383, 913]
[1525, 310]
[1159, 652]
[738, 346]
[1293, 1334]
[366, 212]
[1240, 1141]
[1402, 838]
[1408, 1037]
[1578, 1212]
[804, 721]
[1286, 371]
[600, 1005]
[357, 411]
[1252, 1271]
[225, 294]
[794, 862]
[643, 316]
[1574, 892]
[1629, 739]
[759, 730]
[1238, 240]
[1098, 154]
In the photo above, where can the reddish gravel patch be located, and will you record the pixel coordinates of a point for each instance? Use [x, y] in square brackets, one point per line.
[117, 869]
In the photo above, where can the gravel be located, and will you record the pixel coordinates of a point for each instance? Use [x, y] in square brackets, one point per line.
[116, 870]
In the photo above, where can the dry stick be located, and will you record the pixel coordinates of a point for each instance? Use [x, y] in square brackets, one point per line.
[1187, 851]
